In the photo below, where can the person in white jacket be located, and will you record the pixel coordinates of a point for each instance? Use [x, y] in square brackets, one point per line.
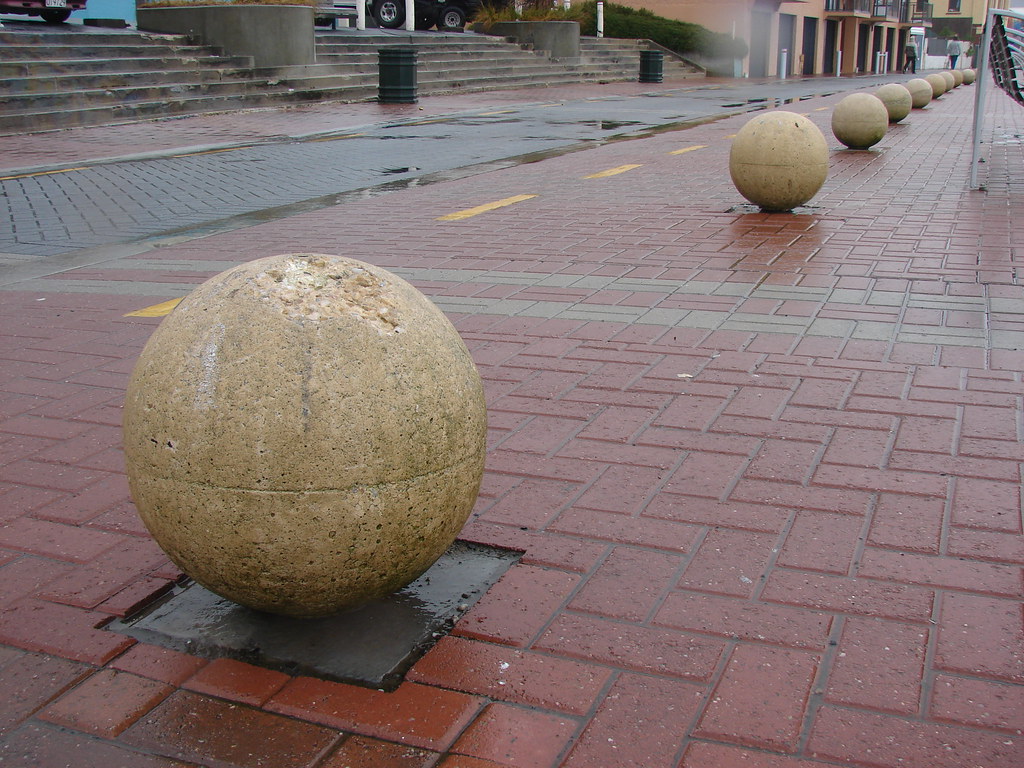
[953, 49]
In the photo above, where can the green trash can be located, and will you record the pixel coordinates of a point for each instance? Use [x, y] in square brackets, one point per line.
[397, 75]
[650, 66]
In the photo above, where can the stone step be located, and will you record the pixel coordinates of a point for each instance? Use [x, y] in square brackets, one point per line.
[71, 77]
[107, 81]
[42, 67]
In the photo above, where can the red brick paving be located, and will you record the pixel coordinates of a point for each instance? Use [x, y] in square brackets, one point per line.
[741, 547]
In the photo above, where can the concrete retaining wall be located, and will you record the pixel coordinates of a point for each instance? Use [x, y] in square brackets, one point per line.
[274, 35]
[558, 39]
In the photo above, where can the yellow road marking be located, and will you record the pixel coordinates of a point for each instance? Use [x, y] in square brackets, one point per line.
[209, 152]
[499, 112]
[428, 122]
[39, 173]
[157, 310]
[611, 172]
[822, 109]
[731, 136]
[337, 138]
[458, 215]
[684, 150]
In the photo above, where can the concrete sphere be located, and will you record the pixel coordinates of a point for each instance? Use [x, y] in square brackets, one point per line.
[920, 91]
[938, 84]
[778, 160]
[860, 120]
[304, 433]
[969, 76]
[950, 80]
[897, 100]
[958, 77]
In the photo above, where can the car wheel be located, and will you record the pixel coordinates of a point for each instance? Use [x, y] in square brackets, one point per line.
[452, 17]
[55, 15]
[390, 14]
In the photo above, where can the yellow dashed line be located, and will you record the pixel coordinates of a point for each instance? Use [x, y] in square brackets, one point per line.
[458, 215]
[822, 109]
[429, 122]
[611, 172]
[338, 138]
[684, 150]
[210, 152]
[731, 136]
[499, 112]
[157, 310]
[40, 173]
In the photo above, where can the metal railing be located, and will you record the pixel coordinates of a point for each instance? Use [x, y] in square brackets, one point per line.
[921, 13]
[1002, 53]
[849, 6]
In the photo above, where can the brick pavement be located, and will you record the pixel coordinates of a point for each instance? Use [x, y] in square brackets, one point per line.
[764, 470]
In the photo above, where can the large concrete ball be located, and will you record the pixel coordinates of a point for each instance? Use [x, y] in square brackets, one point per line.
[958, 77]
[304, 433]
[860, 120]
[897, 100]
[950, 80]
[778, 160]
[969, 76]
[938, 84]
[920, 91]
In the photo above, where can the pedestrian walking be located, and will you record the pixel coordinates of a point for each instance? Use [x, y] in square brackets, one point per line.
[953, 49]
[910, 56]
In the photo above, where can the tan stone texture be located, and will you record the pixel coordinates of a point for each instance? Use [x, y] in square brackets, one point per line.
[920, 91]
[860, 120]
[305, 433]
[970, 76]
[938, 84]
[897, 100]
[958, 76]
[950, 80]
[778, 160]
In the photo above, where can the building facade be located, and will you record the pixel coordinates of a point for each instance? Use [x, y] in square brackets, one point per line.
[812, 37]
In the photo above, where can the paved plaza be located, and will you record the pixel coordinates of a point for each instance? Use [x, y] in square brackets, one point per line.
[764, 470]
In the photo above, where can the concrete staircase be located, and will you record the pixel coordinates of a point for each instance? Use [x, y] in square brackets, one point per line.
[59, 77]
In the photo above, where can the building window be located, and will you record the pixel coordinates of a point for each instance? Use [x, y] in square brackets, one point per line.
[954, 6]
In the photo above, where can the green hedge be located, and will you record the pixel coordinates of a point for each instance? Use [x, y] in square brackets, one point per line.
[679, 36]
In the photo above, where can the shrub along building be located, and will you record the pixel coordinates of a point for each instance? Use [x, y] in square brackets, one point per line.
[826, 36]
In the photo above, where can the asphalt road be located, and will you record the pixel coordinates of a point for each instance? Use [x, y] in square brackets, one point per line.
[66, 210]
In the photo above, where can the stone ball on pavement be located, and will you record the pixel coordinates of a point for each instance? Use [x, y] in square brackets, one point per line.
[969, 76]
[938, 84]
[305, 433]
[950, 80]
[897, 100]
[958, 77]
[860, 120]
[920, 91]
[778, 160]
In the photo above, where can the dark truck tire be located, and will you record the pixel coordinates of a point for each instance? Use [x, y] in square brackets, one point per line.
[452, 17]
[390, 14]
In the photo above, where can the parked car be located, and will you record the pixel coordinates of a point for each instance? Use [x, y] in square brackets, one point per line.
[445, 14]
[51, 11]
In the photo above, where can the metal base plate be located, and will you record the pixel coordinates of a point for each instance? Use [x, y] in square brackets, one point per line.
[371, 646]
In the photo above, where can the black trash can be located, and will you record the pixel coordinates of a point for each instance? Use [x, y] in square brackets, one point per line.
[650, 66]
[397, 76]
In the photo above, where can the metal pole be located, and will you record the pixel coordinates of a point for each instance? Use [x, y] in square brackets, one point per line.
[783, 63]
[600, 18]
[410, 15]
[360, 14]
[979, 97]
[839, 63]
